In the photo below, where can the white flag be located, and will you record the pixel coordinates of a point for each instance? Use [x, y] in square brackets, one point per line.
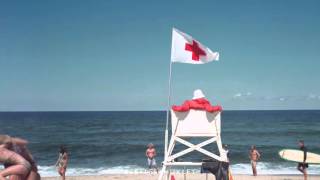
[186, 49]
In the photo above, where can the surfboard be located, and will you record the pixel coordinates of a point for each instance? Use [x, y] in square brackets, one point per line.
[297, 156]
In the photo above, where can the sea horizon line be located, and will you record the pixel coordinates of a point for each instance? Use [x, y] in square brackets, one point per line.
[152, 110]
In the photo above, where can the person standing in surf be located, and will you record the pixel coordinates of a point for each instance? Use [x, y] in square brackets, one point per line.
[18, 165]
[151, 154]
[302, 167]
[254, 156]
[62, 162]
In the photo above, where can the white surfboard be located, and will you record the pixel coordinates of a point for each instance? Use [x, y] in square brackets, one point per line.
[297, 156]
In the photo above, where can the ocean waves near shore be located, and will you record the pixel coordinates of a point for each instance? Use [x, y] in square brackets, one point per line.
[263, 169]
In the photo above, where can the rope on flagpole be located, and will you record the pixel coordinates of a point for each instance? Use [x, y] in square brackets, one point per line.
[168, 111]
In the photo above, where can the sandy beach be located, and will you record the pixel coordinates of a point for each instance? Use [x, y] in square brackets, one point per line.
[188, 177]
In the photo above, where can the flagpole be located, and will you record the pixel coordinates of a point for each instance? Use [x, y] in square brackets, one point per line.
[168, 111]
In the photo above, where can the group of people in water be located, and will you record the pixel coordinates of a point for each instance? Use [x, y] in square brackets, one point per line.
[19, 163]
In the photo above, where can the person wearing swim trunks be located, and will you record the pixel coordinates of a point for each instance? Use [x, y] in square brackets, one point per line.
[151, 154]
[302, 167]
[62, 162]
[18, 165]
[254, 156]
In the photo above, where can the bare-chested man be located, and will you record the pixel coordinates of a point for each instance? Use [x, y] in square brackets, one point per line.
[254, 156]
[151, 154]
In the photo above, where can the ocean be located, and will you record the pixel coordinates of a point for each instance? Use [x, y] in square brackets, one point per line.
[115, 142]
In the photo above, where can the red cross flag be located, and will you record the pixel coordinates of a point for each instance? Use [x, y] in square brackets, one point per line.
[185, 49]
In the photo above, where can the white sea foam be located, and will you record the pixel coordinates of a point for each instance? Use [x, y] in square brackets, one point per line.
[46, 171]
[263, 168]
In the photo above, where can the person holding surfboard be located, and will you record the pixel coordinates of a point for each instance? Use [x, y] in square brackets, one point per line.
[254, 156]
[302, 167]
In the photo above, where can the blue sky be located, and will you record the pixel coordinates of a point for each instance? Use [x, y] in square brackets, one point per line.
[114, 55]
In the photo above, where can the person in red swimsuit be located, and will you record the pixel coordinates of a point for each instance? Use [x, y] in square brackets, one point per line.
[198, 102]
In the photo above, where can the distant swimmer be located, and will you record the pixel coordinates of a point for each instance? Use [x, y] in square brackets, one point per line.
[254, 156]
[302, 167]
[151, 154]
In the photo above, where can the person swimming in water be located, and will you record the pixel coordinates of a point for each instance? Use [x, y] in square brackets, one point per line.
[62, 162]
[18, 165]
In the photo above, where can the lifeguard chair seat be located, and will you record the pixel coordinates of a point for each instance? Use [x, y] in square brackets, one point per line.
[195, 123]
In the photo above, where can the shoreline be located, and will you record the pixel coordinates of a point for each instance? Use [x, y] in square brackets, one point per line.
[181, 176]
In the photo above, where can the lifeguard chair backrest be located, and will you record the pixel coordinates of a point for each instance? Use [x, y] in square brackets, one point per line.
[197, 123]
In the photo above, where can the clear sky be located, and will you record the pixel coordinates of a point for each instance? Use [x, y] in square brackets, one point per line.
[114, 54]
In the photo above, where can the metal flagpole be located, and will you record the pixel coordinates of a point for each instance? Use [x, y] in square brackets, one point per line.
[168, 111]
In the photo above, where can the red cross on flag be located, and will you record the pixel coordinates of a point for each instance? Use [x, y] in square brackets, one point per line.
[185, 49]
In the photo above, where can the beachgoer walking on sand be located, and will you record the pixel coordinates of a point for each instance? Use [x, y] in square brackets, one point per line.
[62, 162]
[151, 154]
[302, 167]
[254, 156]
[18, 165]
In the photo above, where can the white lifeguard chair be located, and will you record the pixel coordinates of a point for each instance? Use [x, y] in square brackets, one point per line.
[194, 123]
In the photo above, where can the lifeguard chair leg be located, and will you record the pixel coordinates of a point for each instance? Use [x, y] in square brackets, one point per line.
[164, 166]
[163, 170]
[219, 144]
